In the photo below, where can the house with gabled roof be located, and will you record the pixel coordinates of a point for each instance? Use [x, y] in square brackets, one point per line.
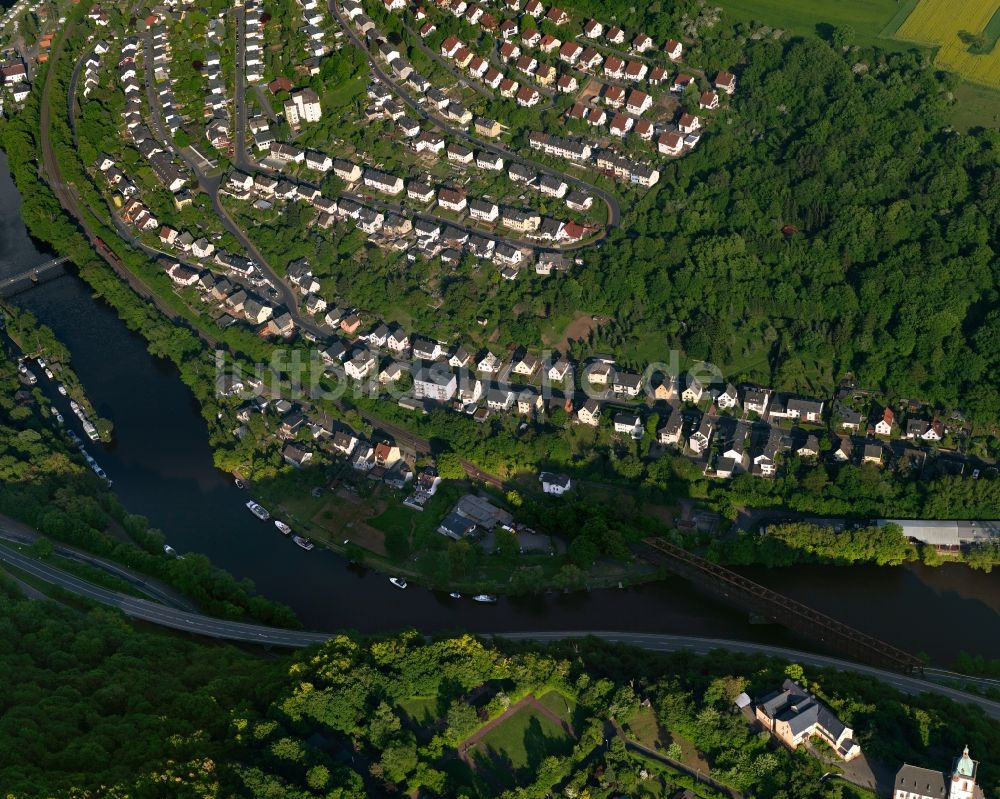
[725, 82]
[590, 412]
[794, 716]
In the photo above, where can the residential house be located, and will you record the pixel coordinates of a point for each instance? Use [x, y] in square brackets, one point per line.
[702, 437]
[794, 716]
[483, 210]
[499, 399]
[810, 448]
[529, 401]
[590, 412]
[872, 453]
[670, 144]
[670, 433]
[627, 383]
[883, 427]
[806, 410]
[559, 370]
[295, 456]
[452, 200]
[436, 382]
[725, 82]
[628, 423]
[728, 399]
[556, 484]
[673, 49]
[756, 400]
[692, 391]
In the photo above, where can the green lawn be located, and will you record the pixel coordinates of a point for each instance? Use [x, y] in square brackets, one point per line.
[868, 18]
[975, 106]
[513, 751]
[644, 727]
[562, 706]
[423, 710]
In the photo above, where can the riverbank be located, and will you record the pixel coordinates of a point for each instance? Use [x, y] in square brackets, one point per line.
[37, 341]
[163, 468]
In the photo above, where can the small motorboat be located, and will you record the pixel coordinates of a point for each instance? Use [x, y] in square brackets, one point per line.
[258, 511]
[455, 595]
[240, 483]
[488, 598]
[41, 362]
[169, 550]
[61, 389]
[285, 529]
[305, 543]
[56, 415]
[48, 373]
[399, 582]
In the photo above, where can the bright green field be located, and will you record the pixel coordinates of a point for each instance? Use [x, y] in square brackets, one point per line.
[518, 745]
[868, 18]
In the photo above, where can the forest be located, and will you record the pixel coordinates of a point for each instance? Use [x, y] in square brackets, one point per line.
[96, 707]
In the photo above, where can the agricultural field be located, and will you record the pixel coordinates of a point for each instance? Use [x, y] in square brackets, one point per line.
[965, 33]
[868, 18]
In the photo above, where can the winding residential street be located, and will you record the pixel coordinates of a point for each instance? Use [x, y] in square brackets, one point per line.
[614, 209]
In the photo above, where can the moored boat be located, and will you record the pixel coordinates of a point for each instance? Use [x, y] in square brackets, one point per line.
[399, 582]
[305, 543]
[239, 483]
[169, 549]
[55, 413]
[285, 529]
[61, 389]
[455, 595]
[258, 511]
[485, 598]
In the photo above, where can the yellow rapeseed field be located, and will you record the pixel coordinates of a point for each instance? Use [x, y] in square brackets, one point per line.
[938, 23]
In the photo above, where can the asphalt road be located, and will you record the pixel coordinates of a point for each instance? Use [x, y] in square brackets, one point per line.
[705, 646]
[156, 613]
[614, 209]
[210, 627]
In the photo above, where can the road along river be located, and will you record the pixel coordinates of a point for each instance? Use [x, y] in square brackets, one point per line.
[162, 468]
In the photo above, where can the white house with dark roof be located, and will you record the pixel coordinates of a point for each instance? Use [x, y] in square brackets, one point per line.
[556, 484]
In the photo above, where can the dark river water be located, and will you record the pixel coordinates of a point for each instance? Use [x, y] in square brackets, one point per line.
[162, 468]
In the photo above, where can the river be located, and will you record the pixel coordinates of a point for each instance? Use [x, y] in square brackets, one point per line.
[162, 468]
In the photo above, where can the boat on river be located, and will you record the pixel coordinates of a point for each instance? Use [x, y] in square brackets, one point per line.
[27, 375]
[488, 598]
[399, 582]
[56, 415]
[285, 529]
[48, 373]
[305, 543]
[61, 389]
[240, 483]
[455, 595]
[258, 511]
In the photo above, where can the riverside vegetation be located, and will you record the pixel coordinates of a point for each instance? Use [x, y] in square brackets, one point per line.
[839, 297]
[99, 708]
[45, 484]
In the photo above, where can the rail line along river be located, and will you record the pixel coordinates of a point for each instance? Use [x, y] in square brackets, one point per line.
[162, 467]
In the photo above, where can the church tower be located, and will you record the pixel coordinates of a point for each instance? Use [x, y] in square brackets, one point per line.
[963, 778]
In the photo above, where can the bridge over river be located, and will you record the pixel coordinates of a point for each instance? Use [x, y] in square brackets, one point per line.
[13, 283]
